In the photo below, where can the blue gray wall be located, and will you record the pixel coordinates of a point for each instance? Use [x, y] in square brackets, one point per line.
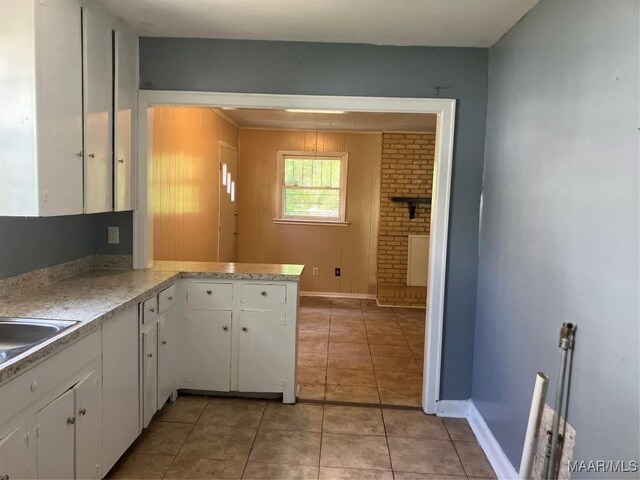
[560, 234]
[30, 243]
[361, 70]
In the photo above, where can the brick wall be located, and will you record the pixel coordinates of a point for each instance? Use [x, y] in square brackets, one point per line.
[407, 171]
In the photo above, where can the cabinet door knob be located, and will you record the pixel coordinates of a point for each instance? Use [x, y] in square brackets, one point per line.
[170, 298]
[71, 420]
[82, 411]
[225, 328]
[263, 293]
[245, 329]
[79, 155]
[150, 355]
[208, 292]
[164, 342]
[92, 155]
[152, 309]
[121, 160]
[4, 477]
[34, 386]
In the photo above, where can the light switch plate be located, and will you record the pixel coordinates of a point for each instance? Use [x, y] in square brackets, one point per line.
[113, 235]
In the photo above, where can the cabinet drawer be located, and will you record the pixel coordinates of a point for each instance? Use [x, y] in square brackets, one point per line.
[263, 294]
[166, 299]
[207, 295]
[149, 310]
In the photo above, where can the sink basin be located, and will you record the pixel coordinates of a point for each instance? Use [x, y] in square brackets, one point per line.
[20, 334]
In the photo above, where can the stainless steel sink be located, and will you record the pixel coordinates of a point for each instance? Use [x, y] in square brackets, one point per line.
[20, 334]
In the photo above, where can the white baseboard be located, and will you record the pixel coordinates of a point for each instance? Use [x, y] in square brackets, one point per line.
[361, 296]
[496, 456]
[452, 408]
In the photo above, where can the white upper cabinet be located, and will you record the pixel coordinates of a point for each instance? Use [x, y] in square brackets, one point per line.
[57, 138]
[125, 86]
[98, 98]
[41, 114]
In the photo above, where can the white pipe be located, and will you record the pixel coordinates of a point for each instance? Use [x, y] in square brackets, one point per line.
[535, 417]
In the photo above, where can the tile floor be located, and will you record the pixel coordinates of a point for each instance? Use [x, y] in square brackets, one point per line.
[351, 350]
[224, 438]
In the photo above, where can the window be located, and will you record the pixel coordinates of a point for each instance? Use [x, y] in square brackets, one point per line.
[312, 186]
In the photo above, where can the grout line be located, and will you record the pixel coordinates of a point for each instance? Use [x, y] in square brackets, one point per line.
[254, 440]
[185, 440]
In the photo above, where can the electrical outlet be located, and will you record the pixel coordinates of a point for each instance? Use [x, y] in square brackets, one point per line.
[113, 235]
[337, 271]
[315, 271]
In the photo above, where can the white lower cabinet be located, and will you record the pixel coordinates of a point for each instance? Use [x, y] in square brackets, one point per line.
[206, 350]
[120, 385]
[150, 372]
[88, 422]
[16, 459]
[167, 357]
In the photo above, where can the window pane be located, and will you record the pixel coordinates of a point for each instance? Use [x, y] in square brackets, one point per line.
[311, 202]
[306, 172]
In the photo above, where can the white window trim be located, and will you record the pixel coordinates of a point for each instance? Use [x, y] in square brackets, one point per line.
[344, 167]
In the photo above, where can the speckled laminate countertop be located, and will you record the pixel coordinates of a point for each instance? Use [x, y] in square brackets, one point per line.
[94, 297]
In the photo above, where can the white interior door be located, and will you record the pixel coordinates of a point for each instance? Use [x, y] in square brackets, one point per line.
[227, 248]
[55, 438]
[98, 82]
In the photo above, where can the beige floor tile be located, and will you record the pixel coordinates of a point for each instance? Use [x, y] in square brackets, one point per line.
[308, 346]
[313, 336]
[395, 396]
[286, 447]
[348, 336]
[324, 302]
[357, 328]
[314, 315]
[331, 473]
[473, 459]
[410, 313]
[351, 303]
[345, 376]
[219, 443]
[402, 351]
[413, 423]
[357, 362]
[314, 375]
[395, 364]
[321, 325]
[375, 328]
[267, 471]
[387, 339]
[311, 392]
[141, 466]
[352, 317]
[232, 412]
[459, 429]
[344, 348]
[421, 455]
[312, 359]
[425, 476]
[355, 451]
[353, 420]
[279, 416]
[399, 380]
[162, 438]
[186, 409]
[351, 393]
[198, 467]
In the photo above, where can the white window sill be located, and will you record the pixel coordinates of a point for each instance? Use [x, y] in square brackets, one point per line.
[324, 223]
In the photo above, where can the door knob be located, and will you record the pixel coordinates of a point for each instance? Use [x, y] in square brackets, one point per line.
[170, 298]
[263, 293]
[79, 155]
[71, 420]
[92, 155]
[152, 309]
[225, 328]
[150, 355]
[121, 160]
[82, 411]
[164, 342]
[245, 329]
[208, 292]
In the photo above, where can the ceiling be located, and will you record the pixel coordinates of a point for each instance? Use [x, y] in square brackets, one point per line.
[358, 121]
[441, 23]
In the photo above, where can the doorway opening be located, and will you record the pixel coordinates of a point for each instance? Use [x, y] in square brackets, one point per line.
[296, 216]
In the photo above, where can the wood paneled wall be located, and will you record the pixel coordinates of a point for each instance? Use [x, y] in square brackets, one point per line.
[352, 248]
[186, 180]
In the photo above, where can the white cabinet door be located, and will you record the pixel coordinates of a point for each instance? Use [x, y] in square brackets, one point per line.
[167, 358]
[55, 438]
[264, 351]
[15, 460]
[59, 106]
[150, 373]
[120, 386]
[88, 397]
[205, 361]
[98, 83]
[124, 125]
